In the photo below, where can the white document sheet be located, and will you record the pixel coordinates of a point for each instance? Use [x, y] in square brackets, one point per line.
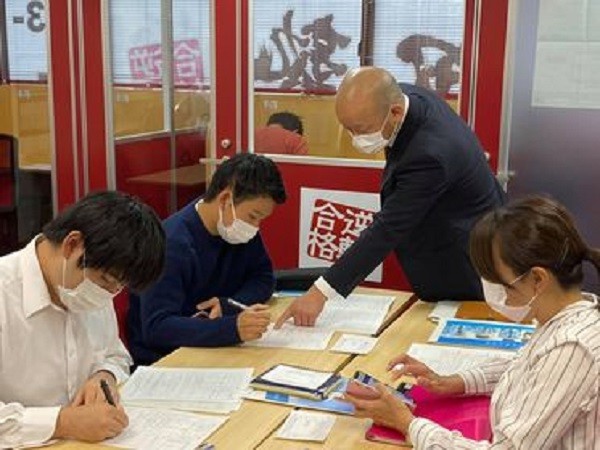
[212, 390]
[354, 344]
[444, 310]
[358, 313]
[447, 360]
[291, 336]
[294, 376]
[306, 426]
[158, 429]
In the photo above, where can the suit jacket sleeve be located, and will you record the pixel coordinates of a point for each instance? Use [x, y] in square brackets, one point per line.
[418, 186]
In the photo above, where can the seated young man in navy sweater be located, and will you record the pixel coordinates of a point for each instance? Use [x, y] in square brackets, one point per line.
[214, 252]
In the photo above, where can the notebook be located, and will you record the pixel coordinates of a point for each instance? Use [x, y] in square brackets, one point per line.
[468, 415]
[297, 381]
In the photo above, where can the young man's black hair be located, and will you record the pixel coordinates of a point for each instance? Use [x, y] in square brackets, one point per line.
[287, 120]
[122, 236]
[250, 176]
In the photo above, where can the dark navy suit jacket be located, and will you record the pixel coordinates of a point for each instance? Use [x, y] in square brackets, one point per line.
[436, 184]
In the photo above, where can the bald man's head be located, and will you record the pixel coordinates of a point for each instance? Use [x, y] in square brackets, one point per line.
[366, 98]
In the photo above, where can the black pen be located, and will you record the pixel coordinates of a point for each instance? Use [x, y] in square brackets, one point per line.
[107, 393]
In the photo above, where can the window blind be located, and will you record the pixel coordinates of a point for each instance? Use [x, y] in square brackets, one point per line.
[136, 42]
[420, 41]
[305, 44]
[26, 34]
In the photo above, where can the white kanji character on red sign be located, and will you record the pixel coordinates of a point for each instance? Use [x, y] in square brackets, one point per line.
[322, 246]
[356, 221]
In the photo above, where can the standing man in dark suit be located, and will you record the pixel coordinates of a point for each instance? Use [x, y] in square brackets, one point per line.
[436, 184]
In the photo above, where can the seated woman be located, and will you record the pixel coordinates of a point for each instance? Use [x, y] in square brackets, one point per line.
[530, 256]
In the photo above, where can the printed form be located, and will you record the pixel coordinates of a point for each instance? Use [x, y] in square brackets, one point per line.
[291, 336]
[306, 426]
[157, 429]
[358, 313]
[354, 344]
[447, 360]
[212, 390]
[293, 376]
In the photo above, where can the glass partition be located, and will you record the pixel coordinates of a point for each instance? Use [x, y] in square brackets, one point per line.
[303, 48]
[160, 52]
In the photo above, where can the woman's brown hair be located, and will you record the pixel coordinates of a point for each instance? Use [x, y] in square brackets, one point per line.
[533, 231]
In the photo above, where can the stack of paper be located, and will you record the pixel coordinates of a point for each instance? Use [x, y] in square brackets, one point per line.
[357, 314]
[157, 429]
[291, 336]
[210, 390]
[297, 381]
[447, 360]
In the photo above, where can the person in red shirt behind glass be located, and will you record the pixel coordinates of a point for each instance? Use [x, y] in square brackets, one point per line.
[282, 135]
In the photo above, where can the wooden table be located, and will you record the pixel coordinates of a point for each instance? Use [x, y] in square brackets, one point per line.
[412, 326]
[181, 176]
[254, 424]
[261, 358]
[348, 432]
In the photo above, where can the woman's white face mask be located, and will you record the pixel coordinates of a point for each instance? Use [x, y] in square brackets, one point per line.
[495, 295]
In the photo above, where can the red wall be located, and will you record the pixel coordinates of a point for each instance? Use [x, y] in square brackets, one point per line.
[142, 157]
[281, 231]
[490, 76]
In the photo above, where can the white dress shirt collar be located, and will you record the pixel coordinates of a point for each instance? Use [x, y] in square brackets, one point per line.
[35, 291]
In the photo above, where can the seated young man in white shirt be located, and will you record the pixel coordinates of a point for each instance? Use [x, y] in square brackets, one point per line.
[58, 329]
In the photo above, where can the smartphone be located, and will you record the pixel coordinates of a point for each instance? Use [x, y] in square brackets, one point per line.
[362, 385]
[359, 389]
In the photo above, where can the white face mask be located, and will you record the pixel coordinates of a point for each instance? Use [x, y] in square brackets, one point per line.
[374, 142]
[86, 296]
[239, 232]
[495, 296]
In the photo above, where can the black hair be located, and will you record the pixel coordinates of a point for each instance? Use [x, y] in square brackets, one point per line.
[249, 176]
[287, 120]
[121, 235]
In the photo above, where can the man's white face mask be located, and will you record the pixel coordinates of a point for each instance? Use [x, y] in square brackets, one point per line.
[86, 296]
[372, 143]
[239, 232]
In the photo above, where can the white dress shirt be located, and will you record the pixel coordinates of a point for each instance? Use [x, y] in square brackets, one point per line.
[547, 397]
[46, 353]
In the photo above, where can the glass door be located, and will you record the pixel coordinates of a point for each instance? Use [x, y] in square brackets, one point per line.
[160, 60]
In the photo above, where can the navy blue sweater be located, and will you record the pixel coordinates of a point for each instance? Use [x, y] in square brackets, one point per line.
[198, 266]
